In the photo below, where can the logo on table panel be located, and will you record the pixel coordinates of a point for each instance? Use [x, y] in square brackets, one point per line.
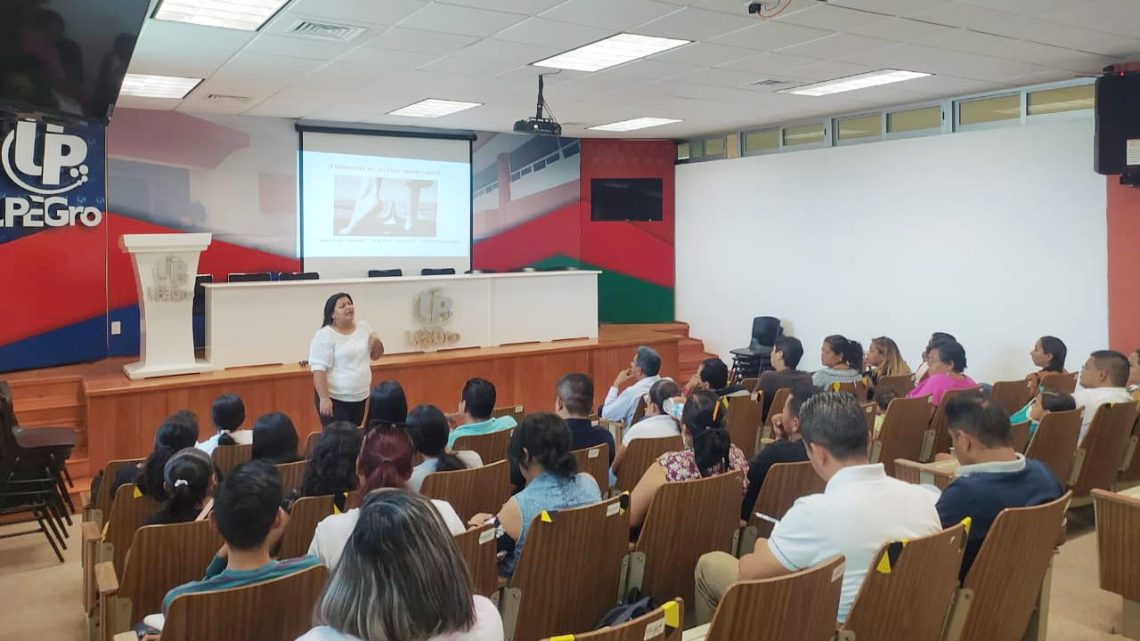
[171, 275]
[55, 166]
[432, 309]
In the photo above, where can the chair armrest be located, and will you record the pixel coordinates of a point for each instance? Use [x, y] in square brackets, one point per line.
[91, 531]
[692, 634]
[106, 581]
[125, 636]
[85, 498]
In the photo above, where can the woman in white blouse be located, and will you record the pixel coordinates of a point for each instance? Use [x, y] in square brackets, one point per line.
[340, 357]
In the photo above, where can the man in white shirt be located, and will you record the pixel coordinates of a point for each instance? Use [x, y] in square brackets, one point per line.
[860, 510]
[642, 371]
[1103, 380]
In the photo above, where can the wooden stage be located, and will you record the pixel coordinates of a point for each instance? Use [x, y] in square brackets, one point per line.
[117, 417]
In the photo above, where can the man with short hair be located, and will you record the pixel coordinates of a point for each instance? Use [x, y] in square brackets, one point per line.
[787, 448]
[860, 510]
[992, 475]
[1104, 378]
[643, 371]
[786, 355]
[476, 405]
[712, 375]
[574, 398]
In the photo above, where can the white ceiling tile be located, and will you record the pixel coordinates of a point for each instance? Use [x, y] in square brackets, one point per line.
[1001, 47]
[291, 103]
[767, 63]
[389, 59]
[832, 18]
[299, 47]
[839, 46]
[1026, 7]
[367, 12]
[533, 7]
[462, 20]
[608, 14]
[162, 48]
[695, 24]
[514, 52]
[404, 39]
[157, 104]
[704, 54]
[964, 15]
[943, 61]
[1115, 16]
[901, 29]
[539, 31]
[650, 69]
[716, 78]
[947, 86]
[769, 36]
[831, 69]
[257, 69]
[890, 7]
[469, 65]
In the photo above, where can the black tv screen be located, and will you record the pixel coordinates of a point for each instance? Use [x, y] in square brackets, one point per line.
[626, 199]
[66, 57]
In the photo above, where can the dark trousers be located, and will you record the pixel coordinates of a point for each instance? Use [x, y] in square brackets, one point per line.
[351, 411]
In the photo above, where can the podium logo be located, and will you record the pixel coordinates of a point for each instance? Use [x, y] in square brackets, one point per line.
[171, 274]
[432, 309]
[62, 168]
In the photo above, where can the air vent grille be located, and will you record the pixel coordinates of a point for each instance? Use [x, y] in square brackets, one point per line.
[325, 31]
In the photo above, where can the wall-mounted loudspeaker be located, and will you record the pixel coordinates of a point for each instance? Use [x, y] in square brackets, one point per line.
[1117, 142]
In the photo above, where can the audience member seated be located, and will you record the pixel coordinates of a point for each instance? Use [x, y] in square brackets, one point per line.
[842, 361]
[428, 427]
[712, 375]
[641, 375]
[476, 406]
[248, 514]
[228, 413]
[188, 479]
[991, 476]
[1049, 355]
[1103, 379]
[883, 398]
[884, 359]
[574, 399]
[385, 462]
[387, 404]
[656, 424]
[1045, 401]
[402, 578]
[274, 439]
[921, 373]
[1134, 373]
[332, 463]
[540, 447]
[786, 355]
[860, 510]
[945, 362]
[178, 432]
[787, 448]
[708, 451]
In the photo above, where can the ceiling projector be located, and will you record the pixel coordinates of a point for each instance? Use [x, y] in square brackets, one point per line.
[539, 125]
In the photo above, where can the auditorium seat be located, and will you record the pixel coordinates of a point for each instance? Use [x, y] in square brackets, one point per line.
[306, 513]
[516, 412]
[938, 436]
[249, 277]
[298, 276]
[784, 483]
[660, 624]
[1011, 395]
[595, 461]
[1019, 435]
[477, 547]
[227, 457]
[292, 475]
[779, 400]
[1055, 442]
[641, 454]
[904, 429]
[1058, 382]
[384, 273]
[491, 447]
[1118, 539]
[443, 271]
[112, 542]
[473, 491]
[100, 504]
[742, 420]
[1101, 453]
[901, 385]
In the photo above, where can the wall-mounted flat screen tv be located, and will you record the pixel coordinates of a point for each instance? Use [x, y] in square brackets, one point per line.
[638, 199]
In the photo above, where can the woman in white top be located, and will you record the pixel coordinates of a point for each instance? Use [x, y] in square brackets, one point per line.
[656, 423]
[385, 461]
[429, 429]
[340, 357]
[402, 579]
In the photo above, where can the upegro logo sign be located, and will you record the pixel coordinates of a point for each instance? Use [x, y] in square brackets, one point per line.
[171, 280]
[48, 170]
[432, 309]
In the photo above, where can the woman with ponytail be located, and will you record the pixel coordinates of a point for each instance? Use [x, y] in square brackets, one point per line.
[177, 432]
[842, 361]
[540, 449]
[429, 429]
[708, 451]
[385, 463]
[188, 479]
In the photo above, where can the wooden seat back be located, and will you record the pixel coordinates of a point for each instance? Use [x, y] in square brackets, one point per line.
[128, 514]
[655, 625]
[1102, 451]
[491, 447]
[903, 431]
[595, 461]
[685, 520]
[307, 512]
[1011, 395]
[1057, 382]
[935, 474]
[858, 389]
[569, 572]
[276, 610]
[514, 411]
[901, 385]
[479, 489]
[795, 607]
[750, 384]
[1118, 539]
[1019, 436]
[909, 588]
[311, 443]
[1007, 574]
[742, 420]
[292, 475]
[940, 427]
[638, 410]
[227, 457]
[101, 502]
[1055, 442]
[1130, 467]
[779, 399]
[640, 455]
[784, 483]
[477, 547]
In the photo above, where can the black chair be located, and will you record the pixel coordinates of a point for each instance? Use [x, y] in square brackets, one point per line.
[384, 273]
[480, 271]
[446, 271]
[249, 277]
[748, 362]
[298, 276]
[199, 310]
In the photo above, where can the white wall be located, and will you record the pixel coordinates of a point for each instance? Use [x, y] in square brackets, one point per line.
[996, 236]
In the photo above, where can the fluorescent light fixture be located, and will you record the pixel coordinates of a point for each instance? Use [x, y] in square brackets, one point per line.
[433, 108]
[246, 15]
[635, 123]
[145, 86]
[614, 50]
[851, 83]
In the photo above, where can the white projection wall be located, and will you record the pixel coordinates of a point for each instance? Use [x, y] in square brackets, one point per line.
[996, 236]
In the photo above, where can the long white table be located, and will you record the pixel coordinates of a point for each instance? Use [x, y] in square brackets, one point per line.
[262, 323]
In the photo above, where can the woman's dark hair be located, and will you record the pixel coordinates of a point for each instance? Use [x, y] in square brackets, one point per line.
[546, 439]
[1057, 352]
[186, 475]
[387, 404]
[938, 336]
[850, 351]
[1057, 401]
[429, 430]
[951, 351]
[703, 416]
[332, 463]
[330, 306]
[228, 413]
[385, 458]
[177, 432]
[274, 439]
[661, 391]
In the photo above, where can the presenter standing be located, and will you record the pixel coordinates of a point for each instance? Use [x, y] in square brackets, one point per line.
[340, 357]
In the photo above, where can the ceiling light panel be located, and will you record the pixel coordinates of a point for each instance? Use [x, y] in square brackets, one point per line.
[852, 83]
[433, 108]
[635, 123]
[610, 52]
[246, 15]
[145, 86]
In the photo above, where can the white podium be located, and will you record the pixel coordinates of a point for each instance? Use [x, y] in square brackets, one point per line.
[165, 268]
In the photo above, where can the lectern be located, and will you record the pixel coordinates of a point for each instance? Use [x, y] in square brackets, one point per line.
[165, 267]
